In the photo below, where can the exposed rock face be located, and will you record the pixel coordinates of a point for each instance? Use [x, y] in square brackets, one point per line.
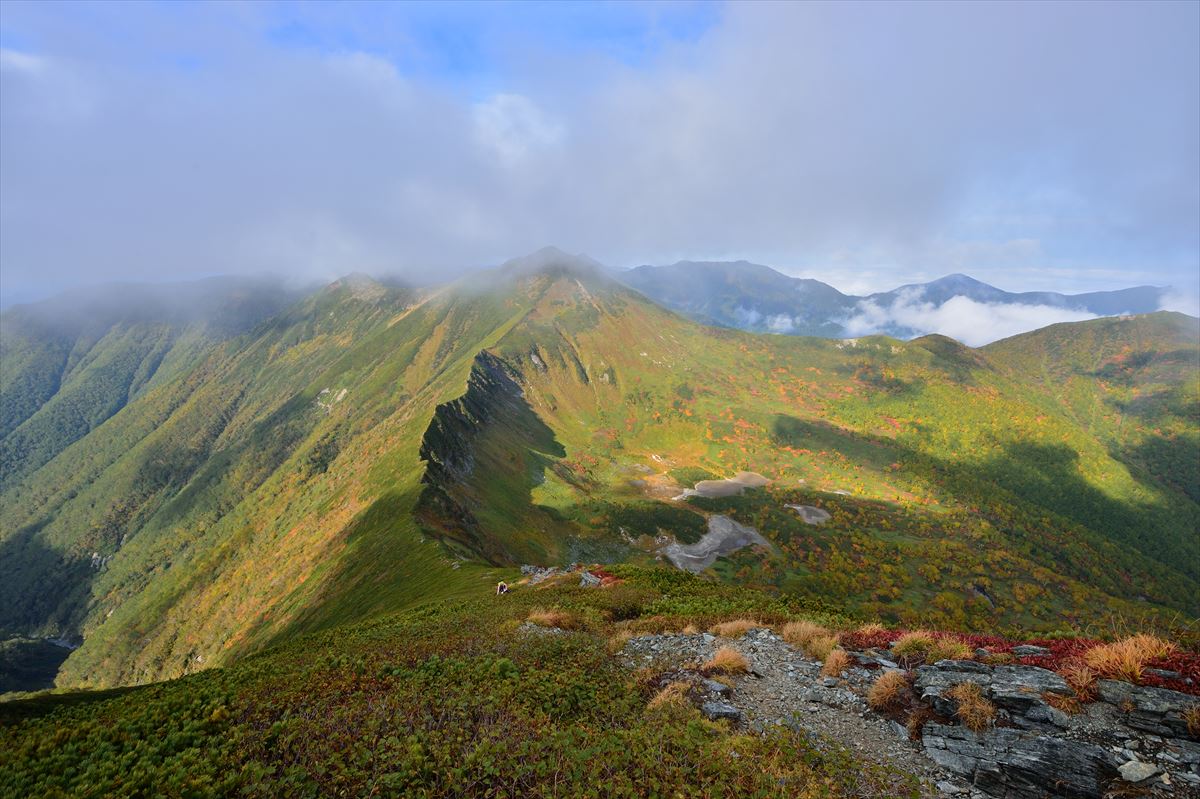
[1153, 710]
[1018, 689]
[1016, 763]
[467, 441]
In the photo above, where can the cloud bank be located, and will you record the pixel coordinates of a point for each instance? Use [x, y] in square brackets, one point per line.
[969, 321]
[1053, 144]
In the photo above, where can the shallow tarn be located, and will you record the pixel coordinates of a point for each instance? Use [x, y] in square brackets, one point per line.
[724, 536]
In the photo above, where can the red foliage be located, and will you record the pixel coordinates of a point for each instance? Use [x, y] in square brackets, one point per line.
[1062, 652]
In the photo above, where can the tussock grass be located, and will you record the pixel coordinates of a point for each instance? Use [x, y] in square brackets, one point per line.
[814, 640]
[690, 630]
[913, 644]
[1191, 717]
[552, 617]
[616, 642]
[974, 710]
[799, 633]
[872, 628]
[948, 648]
[836, 662]
[672, 696]
[1082, 680]
[726, 660]
[820, 647]
[735, 628]
[1067, 704]
[887, 691]
[1125, 659]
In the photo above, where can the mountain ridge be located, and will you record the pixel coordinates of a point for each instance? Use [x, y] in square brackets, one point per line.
[277, 487]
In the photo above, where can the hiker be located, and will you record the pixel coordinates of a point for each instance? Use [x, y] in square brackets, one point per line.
[501, 588]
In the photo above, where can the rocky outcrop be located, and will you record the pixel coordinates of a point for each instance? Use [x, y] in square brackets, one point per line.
[1133, 739]
[1016, 763]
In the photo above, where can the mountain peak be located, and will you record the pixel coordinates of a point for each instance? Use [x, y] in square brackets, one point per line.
[551, 259]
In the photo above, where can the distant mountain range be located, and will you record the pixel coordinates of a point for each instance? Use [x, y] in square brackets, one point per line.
[757, 298]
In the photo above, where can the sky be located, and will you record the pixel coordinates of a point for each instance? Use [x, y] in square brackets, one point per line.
[1035, 146]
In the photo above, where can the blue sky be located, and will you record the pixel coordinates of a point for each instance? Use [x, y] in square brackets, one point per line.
[1034, 146]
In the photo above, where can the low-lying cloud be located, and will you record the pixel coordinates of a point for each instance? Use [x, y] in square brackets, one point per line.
[969, 321]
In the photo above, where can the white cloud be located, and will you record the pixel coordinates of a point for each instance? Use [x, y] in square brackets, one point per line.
[1180, 300]
[781, 323]
[21, 62]
[513, 128]
[962, 318]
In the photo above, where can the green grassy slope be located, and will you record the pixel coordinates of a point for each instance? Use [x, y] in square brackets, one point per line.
[69, 363]
[371, 448]
[446, 700]
[973, 499]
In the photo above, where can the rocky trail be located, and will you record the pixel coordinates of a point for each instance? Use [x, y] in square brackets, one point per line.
[1132, 741]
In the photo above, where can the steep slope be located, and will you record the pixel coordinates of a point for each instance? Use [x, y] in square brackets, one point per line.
[759, 299]
[69, 363]
[371, 448]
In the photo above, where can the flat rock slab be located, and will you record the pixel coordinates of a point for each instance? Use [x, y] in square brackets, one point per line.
[810, 514]
[1020, 765]
[725, 488]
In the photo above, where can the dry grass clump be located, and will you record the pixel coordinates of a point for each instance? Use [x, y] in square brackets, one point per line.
[1067, 704]
[544, 617]
[799, 633]
[873, 628]
[726, 660]
[690, 630]
[1191, 717]
[948, 648]
[1081, 679]
[836, 662]
[616, 642]
[974, 710]
[820, 647]
[1125, 659]
[916, 720]
[813, 639]
[999, 658]
[673, 695]
[914, 644]
[888, 690]
[735, 628]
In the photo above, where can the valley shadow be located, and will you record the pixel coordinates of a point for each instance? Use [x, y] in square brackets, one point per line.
[1030, 490]
[41, 589]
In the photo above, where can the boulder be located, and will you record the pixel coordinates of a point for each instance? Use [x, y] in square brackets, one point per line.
[1136, 771]
[720, 710]
[1020, 764]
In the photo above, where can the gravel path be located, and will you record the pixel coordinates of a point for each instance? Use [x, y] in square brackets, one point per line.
[786, 688]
